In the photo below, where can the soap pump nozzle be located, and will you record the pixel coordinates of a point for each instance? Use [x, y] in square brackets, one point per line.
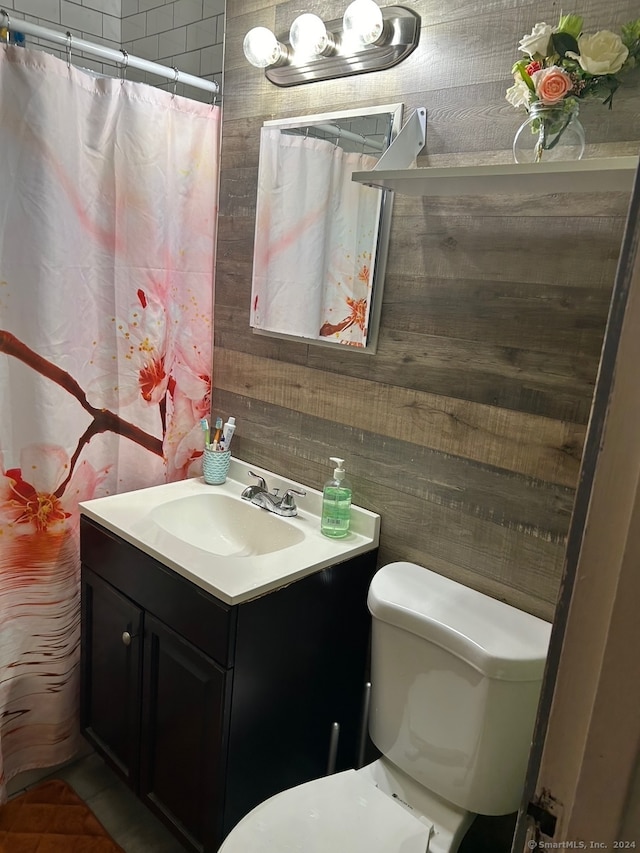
[338, 471]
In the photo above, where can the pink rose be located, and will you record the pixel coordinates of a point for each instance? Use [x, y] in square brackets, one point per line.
[552, 84]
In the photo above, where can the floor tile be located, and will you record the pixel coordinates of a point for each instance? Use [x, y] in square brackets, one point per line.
[126, 819]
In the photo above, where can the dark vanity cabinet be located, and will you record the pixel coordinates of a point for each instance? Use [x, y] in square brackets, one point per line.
[204, 708]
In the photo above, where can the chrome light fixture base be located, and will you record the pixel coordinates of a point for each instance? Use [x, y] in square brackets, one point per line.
[400, 36]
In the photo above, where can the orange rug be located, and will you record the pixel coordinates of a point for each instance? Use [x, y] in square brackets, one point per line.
[51, 818]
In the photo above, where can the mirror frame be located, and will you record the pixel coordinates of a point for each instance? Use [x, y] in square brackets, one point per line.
[381, 245]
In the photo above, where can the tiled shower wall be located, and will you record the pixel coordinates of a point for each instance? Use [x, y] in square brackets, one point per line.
[186, 34]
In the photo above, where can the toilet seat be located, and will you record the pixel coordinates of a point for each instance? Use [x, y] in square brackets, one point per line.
[343, 813]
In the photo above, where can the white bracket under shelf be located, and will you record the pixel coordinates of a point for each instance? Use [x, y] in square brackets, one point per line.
[409, 142]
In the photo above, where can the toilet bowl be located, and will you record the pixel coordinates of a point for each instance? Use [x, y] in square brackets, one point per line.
[377, 809]
[456, 677]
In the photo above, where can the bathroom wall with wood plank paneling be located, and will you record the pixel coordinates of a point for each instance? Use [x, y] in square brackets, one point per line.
[465, 429]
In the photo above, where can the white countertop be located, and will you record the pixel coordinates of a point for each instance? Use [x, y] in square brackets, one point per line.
[233, 579]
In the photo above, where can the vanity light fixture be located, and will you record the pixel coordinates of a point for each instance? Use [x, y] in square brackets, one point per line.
[367, 38]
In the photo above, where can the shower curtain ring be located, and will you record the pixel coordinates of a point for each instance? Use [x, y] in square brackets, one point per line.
[125, 64]
[69, 40]
[4, 30]
[176, 74]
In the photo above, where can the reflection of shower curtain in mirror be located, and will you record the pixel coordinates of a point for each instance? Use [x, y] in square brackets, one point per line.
[315, 236]
[107, 210]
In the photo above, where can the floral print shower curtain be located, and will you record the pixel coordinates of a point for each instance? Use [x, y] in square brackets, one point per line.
[108, 200]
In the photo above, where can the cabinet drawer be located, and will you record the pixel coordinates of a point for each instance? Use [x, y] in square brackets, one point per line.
[195, 614]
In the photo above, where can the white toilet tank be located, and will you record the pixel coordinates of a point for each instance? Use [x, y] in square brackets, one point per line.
[456, 677]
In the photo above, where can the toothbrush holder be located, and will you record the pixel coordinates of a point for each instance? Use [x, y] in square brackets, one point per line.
[215, 466]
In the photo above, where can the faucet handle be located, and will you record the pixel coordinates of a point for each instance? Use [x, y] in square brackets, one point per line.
[261, 481]
[288, 501]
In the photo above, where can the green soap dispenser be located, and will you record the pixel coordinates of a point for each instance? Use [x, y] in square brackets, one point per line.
[336, 503]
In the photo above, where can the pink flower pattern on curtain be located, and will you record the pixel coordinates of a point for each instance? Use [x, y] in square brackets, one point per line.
[107, 215]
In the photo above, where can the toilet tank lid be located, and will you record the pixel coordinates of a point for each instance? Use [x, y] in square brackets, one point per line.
[497, 639]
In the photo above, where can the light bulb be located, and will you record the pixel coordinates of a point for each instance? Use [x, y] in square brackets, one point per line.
[308, 35]
[261, 47]
[362, 22]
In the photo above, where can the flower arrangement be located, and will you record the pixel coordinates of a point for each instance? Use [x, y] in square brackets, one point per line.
[563, 62]
[563, 65]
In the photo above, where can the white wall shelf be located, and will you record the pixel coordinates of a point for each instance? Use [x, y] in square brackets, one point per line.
[604, 174]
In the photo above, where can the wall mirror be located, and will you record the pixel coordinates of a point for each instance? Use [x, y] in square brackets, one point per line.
[321, 239]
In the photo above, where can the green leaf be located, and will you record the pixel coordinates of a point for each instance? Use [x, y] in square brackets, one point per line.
[630, 33]
[570, 25]
[520, 68]
[562, 42]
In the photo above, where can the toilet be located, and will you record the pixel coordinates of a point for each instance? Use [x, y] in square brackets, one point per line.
[456, 677]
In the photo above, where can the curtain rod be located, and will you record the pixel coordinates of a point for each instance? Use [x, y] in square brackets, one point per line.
[332, 129]
[120, 57]
[338, 132]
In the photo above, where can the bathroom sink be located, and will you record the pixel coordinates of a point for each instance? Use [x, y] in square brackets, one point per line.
[225, 525]
[225, 545]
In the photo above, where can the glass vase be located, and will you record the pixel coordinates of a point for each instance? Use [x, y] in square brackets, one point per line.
[549, 133]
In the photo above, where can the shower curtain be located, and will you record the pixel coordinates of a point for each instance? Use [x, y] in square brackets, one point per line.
[316, 232]
[108, 193]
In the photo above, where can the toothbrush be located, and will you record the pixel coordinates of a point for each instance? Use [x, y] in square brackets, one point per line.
[218, 434]
[204, 423]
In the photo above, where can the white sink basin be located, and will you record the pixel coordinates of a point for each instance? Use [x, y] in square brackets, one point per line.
[224, 544]
[225, 526]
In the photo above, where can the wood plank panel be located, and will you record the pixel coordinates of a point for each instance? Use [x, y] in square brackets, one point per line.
[544, 318]
[554, 384]
[529, 506]
[557, 385]
[583, 253]
[553, 206]
[534, 446]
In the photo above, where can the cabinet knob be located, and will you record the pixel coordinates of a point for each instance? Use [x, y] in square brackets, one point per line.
[127, 637]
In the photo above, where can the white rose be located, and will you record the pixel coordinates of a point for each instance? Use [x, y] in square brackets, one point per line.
[601, 53]
[518, 94]
[537, 41]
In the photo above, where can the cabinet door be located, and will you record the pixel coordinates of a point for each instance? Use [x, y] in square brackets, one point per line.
[183, 737]
[111, 673]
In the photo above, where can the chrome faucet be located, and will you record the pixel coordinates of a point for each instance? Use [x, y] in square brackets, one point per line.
[259, 495]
